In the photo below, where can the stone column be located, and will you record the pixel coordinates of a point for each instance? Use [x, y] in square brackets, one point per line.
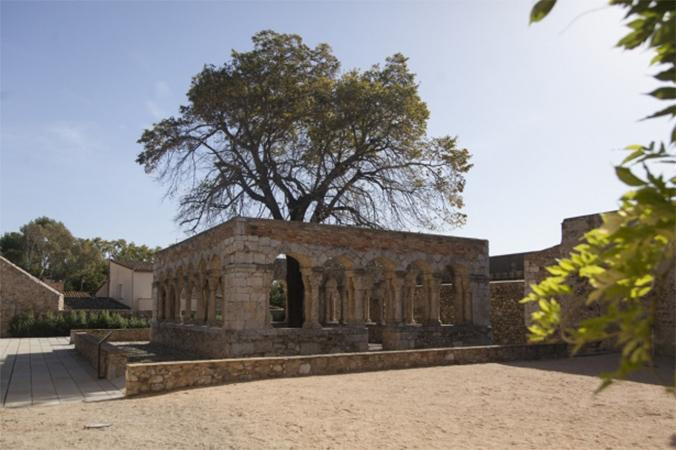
[433, 302]
[397, 283]
[201, 300]
[357, 280]
[312, 278]
[225, 287]
[330, 299]
[409, 298]
[156, 300]
[460, 294]
[211, 300]
[167, 300]
[187, 312]
[178, 289]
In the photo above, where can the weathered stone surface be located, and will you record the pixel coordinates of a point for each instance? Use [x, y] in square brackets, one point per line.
[507, 314]
[143, 378]
[220, 343]
[342, 272]
[21, 292]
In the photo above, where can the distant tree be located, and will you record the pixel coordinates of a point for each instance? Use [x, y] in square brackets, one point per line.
[12, 247]
[48, 250]
[280, 132]
[48, 247]
[122, 250]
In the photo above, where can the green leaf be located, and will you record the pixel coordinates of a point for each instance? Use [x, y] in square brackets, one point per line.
[541, 9]
[664, 93]
[627, 177]
[667, 75]
[668, 110]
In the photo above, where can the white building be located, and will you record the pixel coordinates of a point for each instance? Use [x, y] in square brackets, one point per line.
[129, 282]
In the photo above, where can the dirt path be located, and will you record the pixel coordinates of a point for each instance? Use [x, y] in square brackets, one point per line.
[546, 404]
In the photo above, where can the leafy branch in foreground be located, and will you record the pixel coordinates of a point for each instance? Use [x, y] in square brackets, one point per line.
[634, 248]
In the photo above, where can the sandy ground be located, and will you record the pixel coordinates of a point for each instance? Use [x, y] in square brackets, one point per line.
[544, 404]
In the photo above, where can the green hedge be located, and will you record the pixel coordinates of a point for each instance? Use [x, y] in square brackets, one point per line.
[60, 324]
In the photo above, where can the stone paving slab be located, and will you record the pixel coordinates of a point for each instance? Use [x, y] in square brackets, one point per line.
[44, 371]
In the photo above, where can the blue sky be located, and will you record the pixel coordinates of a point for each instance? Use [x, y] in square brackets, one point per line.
[544, 109]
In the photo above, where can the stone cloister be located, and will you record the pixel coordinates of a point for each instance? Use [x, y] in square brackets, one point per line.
[345, 287]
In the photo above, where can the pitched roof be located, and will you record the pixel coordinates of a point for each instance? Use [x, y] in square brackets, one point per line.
[76, 294]
[136, 266]
[93, 303]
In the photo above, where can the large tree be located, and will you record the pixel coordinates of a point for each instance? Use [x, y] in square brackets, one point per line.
[281, 132]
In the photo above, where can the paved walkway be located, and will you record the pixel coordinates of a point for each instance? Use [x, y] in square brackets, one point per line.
[42, 371]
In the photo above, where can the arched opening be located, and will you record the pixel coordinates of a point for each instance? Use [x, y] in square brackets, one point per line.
[278, 292]
[287, 292]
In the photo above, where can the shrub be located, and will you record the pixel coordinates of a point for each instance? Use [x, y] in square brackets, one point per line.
[60, 323]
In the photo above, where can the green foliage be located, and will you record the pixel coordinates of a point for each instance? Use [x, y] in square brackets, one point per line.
[46, 248]
[634, 248]
[277, 295]
[281, 131]
[60, 323]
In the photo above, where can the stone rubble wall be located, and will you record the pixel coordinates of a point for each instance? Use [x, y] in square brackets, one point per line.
[21, 292]
[572, 230]
[111, 362]
[217, 342]
[159, 377]
[422, 336]
[507, 314]
[119, 334]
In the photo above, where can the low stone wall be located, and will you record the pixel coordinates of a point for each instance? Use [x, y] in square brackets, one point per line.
[111, 362]
[119, 334]
[158, 377]
[507, 314]
[216, 342]
[424, 336]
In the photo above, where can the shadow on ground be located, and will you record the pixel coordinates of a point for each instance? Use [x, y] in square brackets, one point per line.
[593, 365]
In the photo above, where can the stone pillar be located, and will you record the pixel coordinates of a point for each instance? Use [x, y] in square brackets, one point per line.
[367, 285]
[360, 287]
[187, 312]
[225, 287]
[397, 283]
[312, 279]
[211, 300]
[201, 300]
[382, 302]
[461, 294]
[433, 300]
[409, 298]
[156, 300]
[248, 296]
[330, 300]
[178, 289]
[167, 300]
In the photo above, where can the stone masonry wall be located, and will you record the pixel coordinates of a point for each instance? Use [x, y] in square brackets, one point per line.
[21, 292]
[158, 377]
[110, 362]
[507, 314]
[217, 342]
[118, 334]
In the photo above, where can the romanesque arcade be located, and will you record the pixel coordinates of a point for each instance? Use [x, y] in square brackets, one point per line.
[343, 287]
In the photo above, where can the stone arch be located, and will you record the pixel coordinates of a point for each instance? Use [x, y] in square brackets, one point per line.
[295, 286]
